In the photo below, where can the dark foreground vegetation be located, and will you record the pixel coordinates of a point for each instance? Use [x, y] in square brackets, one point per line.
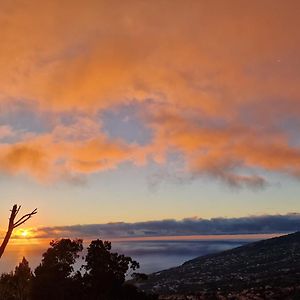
[101, 276]
[268, 269]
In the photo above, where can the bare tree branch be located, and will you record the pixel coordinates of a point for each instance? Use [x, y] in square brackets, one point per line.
[25, 218]
[12, 224]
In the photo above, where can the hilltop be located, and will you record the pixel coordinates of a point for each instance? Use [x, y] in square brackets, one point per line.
[264, 269]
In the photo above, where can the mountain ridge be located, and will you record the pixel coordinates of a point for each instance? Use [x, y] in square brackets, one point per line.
[269, 264]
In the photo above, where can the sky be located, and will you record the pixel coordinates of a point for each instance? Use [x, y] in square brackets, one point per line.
[132, 111]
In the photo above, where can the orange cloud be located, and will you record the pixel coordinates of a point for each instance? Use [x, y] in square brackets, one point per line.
[23, 157]
[207, 55]
[47, 160]
[223, 78]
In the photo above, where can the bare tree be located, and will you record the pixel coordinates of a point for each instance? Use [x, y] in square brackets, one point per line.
[12, 224]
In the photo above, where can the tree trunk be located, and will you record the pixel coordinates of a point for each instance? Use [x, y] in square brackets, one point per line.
[12, 224]
[5, 241]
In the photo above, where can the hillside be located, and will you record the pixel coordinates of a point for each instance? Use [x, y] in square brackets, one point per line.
[272, 264]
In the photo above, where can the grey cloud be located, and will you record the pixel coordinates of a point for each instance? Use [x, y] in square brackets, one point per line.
[190, 226]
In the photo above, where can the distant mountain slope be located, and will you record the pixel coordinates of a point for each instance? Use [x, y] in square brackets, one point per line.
[271, 263]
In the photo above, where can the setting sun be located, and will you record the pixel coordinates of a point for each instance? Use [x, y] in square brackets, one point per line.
[23, 233]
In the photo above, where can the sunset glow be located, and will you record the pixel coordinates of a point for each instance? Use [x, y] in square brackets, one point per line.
[133, 111]
[23, 233]
[149, 149]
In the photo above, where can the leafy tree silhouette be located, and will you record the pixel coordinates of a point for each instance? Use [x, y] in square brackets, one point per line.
[101, 278]
[7, 288]
[16, 286]
[22, 280]
[106, 271]
[53, 278]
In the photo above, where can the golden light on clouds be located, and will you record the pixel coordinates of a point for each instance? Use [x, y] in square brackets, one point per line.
[208, 76]
[23, 233]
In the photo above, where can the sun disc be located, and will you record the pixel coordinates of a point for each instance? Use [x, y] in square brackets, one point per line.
[24, 233]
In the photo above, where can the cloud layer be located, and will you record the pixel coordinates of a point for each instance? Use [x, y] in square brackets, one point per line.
[216, 82]
[265, 224]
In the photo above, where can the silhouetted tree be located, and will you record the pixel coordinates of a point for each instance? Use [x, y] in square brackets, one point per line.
[106, 271]
[22, 280]
[16, 286]
[7, 288]
[53, 278]
[12, 224]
